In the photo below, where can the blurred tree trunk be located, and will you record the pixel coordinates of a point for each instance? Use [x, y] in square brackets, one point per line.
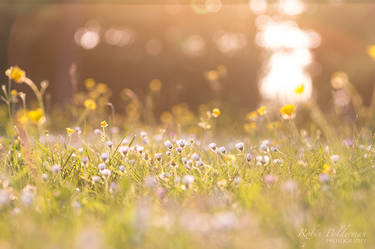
[6, 21]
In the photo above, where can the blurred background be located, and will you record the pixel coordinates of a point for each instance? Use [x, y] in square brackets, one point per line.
[241, 53]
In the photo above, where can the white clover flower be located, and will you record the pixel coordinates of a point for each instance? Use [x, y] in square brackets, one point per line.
[240, 146]
[105, 173]
[199, 163]
[101, 166]
[212, 146]
[124, 150]
[181, 143]
[104, 156]
[97, 132]
[262, 160]
[109, 144]
[184, 160]
[237, 180]
[143, 134]
[222, 150]
[55, 168]
[168, 144]
[264, 145]
[85, 160]
[122, 168]
[249, 157]
[158, 156]
[179, 149]
[139, 148]
[168, 153]
[195, 157]
[335, 158]
[95, 179]
[44, 177]
[188, 179]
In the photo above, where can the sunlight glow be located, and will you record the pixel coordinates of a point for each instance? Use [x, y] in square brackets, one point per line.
[288, 56]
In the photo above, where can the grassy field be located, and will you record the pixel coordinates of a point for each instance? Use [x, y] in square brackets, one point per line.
[187, 181]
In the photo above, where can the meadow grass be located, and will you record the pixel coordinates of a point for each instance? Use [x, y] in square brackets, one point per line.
[187, 182]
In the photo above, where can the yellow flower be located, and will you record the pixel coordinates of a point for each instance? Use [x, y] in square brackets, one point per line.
[252, 116]
[287, 111]
[328, 169]
[155, 85]
[371, 51]
[13, 92]
[89, 83]
[90, 104]
[36, 115]
[248, 127]
[101, 88]
[339, 80]
[216, 112]
[70, 131]
[15, 73]
[103, 124]
[212, 75]
[261, 110]
[22, 116]
[299, 89]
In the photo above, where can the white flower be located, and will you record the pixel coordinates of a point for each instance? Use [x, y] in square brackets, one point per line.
[222, 150]
[184, 160]
[195, 157]
[109, 144]
[158, 156]
[124, 150]
[95, 179]
[239, 146]
[97, 132]
[143, 134]
[248, 157]
[264, 145]
[188, 179]
[335, 158]
[104, 156]
[262, 160]
[122, 168]
[101, 166]
[168, 144]
[56, 168]
[44, 177]
[105, 172]
[181, 143]
[212, 146]
[139, 148]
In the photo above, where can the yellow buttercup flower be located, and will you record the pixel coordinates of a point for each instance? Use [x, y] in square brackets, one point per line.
[13, 92]
[90, 104]
[252, 116]
[212, 75]
[36, 115]
[328, 169]
[155, 85]
[70, 131]
[89, 83]
[248, 127]
[261, 110]
[15, 73]
[103, 124]
[216, 112]
[299, 89]
[287, 111]
[371, 51]
[22, 116]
